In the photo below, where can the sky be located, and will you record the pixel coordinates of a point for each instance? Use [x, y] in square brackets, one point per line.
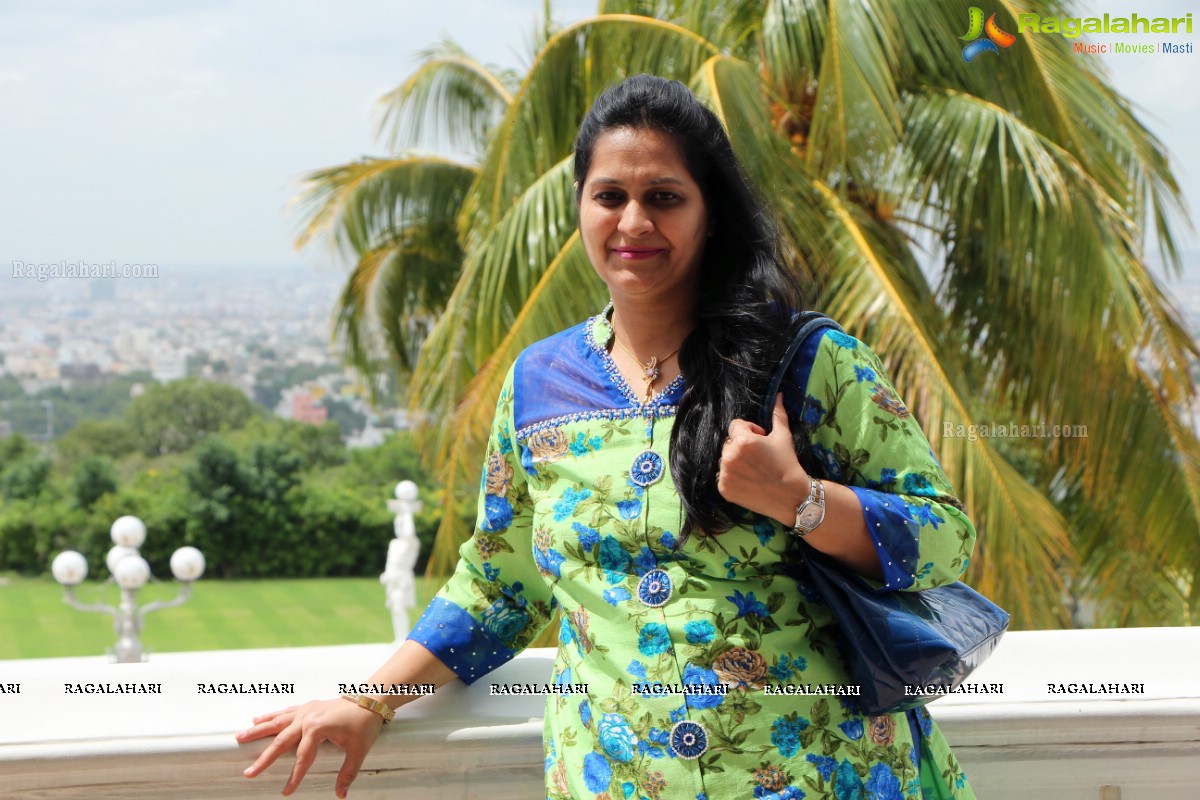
[175, 133]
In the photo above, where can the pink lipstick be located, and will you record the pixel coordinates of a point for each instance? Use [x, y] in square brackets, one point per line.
[637, 253]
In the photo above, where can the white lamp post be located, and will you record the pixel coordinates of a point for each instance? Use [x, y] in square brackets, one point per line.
[398, 579]
[130, 572]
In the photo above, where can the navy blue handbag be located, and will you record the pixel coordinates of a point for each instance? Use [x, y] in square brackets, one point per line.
[903, 649]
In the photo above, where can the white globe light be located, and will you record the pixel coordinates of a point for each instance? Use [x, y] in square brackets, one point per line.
[187, 564]
[128, 532]
[132, 572]
[115, 555]
[406, 490]
[69, 568]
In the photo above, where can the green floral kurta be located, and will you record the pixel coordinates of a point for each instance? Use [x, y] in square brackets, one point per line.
[578, 511]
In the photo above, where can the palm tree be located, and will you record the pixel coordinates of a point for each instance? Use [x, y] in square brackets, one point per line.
[981, 225]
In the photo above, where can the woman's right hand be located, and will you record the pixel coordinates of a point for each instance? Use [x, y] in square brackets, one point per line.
[350, 727]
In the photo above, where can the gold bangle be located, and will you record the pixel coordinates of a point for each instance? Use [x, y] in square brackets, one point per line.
[370, 704]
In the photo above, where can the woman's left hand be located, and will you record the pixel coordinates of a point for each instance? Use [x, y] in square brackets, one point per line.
[759, 471]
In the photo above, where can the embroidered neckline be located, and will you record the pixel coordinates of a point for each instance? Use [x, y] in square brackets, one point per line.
[661, 412]
[614, 373]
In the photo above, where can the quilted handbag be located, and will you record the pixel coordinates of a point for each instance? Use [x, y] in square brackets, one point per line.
[903, 648]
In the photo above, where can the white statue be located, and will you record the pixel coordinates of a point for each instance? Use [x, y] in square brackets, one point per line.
[398, 578]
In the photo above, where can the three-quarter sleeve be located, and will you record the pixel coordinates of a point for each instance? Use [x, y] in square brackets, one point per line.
[496, 602]
[863, 436]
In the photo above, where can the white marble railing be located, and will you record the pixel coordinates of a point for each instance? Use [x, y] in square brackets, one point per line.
[1025, 743]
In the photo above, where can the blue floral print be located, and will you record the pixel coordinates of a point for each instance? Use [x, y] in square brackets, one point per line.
[699, 631]
[571, 498]
[830, 467]
[498, 513]
[582, 444]
[562, 523]
[629, 509]
[785, 734]
[504, 620]
[915, 483]
[787, 667]
[695, 676]
[747, 605]
[847, 785]
[645, 560]
[654, 639]
[617, 739]
[863, 374]
[842, 340]
[549, 561]
[616, 595]
[614, 559]
[853, 728]
[655, 743]
[824, 764]
[597, 774]
[882, 784]
[585, 713]
[924, 514]
[764, 531]
[814, 412]
[588, 537]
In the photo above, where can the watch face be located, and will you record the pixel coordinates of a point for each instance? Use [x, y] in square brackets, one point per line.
[810, 515]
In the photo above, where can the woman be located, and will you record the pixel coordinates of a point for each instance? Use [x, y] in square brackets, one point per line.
[626, 485]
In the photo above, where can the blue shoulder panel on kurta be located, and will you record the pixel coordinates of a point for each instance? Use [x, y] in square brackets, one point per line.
[558, 377]
[568, 378]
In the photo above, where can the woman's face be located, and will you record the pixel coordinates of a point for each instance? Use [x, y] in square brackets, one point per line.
[642, 218]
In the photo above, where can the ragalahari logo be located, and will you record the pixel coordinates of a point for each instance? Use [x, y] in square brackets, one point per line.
[995, 38]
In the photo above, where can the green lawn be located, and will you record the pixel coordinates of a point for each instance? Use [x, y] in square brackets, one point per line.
[35, 622]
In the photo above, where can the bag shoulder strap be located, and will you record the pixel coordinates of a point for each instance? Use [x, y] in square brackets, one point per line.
[807, 322]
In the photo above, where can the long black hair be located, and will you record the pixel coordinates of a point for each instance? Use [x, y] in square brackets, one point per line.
[746, 295]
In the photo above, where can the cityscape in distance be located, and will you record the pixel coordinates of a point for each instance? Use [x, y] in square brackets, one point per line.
[265, 330]
[255, 328]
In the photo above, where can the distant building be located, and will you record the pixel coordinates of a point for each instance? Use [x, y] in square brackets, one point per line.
[80, 372]
[167, 365]
[369, 436]
[304, 409]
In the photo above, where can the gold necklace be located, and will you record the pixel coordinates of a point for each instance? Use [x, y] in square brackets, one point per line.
[650, 369]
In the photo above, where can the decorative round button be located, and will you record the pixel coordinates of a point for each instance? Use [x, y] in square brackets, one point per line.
[689, 739]
[654, 589]
[647, 468]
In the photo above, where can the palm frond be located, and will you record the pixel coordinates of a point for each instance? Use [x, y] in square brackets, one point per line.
[497, 274]
[360, 205]
[567, 292]
[1032, 182]
[450, 95]
[394, 218]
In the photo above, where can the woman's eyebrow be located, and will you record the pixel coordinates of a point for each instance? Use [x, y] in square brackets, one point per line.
[653, 181]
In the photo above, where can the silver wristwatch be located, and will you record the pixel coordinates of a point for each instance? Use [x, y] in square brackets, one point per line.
[811, 512]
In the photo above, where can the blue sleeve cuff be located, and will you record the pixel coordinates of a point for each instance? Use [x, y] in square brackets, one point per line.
[895, 534]
[461, 643]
